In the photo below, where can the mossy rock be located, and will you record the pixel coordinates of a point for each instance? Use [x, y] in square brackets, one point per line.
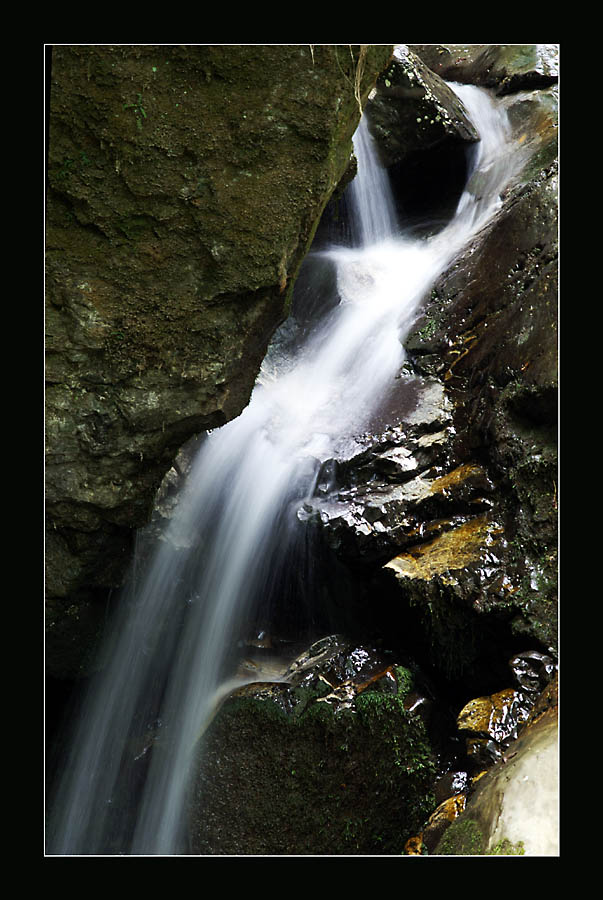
[284, 772]
[466, 838]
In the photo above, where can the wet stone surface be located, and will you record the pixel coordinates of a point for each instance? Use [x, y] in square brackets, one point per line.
[372, 500]
[497, 730]
[505, 67]
[490, 724]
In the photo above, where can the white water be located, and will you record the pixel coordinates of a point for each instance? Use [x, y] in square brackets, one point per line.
[218, 551]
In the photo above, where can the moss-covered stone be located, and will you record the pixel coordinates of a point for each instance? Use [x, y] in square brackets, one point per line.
[465, 837]
[462, 838]
[284, 772]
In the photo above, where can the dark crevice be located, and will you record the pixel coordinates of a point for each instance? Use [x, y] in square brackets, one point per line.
[428, 185]
[426, 189]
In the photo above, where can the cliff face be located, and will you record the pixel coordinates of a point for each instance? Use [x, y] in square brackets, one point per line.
[185, 184]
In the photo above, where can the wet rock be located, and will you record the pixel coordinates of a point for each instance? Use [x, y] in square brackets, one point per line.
[489, 331]
[449, 553]
[455, 583]
[532, 670]
[413, 846]
[490, 723]
[375, 522]
[514, 809]
[412, 109]
[505, 67]
[424, 136]
[439, 821]
[337, 761]
[405, 504]
[391, 484]
[449, 61]
[184, 187]
[450, 785]
[547, 701]
[533, 117]
[500, 293]
[499, 728]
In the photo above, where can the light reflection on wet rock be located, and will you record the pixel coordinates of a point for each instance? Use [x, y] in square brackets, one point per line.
[491, 723]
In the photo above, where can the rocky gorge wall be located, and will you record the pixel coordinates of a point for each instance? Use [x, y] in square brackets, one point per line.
[459, 472]
[438, 704]
[184, 185]
[439, 536]
[488, 335]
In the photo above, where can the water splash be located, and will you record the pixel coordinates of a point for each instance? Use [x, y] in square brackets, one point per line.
[174, 641]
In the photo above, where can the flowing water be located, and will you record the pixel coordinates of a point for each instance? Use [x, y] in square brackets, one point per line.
[172, 650]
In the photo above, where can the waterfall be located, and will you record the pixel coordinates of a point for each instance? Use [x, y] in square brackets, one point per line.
[174, 642]
[373, 212]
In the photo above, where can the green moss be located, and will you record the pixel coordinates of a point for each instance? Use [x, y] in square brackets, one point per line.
[293, 774]
[506, 848]
[464, 837]
[70, 165]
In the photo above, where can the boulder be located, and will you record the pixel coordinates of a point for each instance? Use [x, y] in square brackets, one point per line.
[334, 760]
[424, 138]
[185, 184]
[505, 67]
[412, 110]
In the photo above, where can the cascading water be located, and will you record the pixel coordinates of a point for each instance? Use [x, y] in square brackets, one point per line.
[170, 657]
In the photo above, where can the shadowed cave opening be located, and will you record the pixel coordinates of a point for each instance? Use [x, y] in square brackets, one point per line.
[426, 188]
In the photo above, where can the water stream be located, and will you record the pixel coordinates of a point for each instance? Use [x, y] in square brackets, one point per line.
[173, 643]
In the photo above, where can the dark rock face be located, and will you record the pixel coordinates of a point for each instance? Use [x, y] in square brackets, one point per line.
[184, 187]
[412, 110]
[489, 331]
[451, 504]
[424, 136]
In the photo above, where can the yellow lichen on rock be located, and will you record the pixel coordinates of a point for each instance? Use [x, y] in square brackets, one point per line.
[457, 476]
[452, 550]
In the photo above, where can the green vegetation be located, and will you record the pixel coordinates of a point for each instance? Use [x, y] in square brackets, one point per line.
[72, 165]
[139, 110]
[303, 776]
[465, 837]
[506, 848]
